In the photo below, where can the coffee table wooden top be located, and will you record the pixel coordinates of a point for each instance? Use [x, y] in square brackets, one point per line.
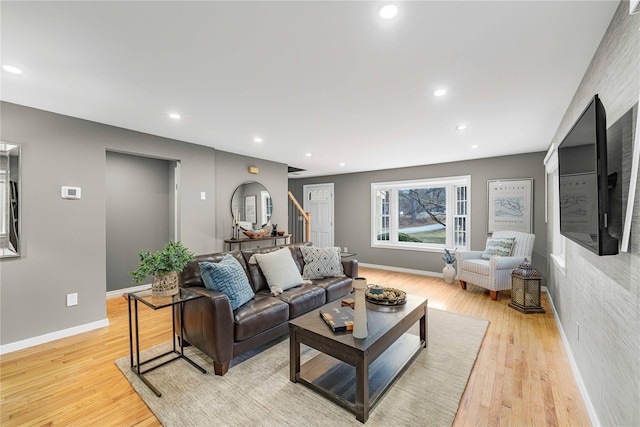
[380, 320]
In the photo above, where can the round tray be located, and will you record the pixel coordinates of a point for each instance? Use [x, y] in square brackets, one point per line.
[400, 301]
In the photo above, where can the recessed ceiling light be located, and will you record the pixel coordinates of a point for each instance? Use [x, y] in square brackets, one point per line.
[440, 92]
[308, 154]
[12, 69]
[461, 127]
[174, 116]
[388, 11]
[475, 146]
[343, 164]
[257, 139]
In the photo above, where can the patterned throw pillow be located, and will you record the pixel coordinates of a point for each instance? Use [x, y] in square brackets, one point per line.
[321, 262]
[497, 246]
[228, 277]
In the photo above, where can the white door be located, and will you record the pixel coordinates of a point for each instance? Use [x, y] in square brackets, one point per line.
[318, 200]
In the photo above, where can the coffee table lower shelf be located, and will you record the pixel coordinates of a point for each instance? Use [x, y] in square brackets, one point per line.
[336, 380]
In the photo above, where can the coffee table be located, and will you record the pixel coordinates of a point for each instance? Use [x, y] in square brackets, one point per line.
[378, 359]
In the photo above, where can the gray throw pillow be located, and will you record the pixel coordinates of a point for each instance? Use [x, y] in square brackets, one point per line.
[321, 262]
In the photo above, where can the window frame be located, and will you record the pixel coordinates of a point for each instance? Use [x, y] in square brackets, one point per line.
[451, 184]
[558, 248]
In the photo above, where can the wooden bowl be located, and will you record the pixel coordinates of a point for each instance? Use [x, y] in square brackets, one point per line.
[256, 234]
[281, 233]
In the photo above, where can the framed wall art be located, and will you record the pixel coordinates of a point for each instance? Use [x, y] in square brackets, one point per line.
[510, 205]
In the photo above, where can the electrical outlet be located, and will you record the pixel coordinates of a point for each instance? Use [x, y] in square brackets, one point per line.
[72, 299]
[345, 249]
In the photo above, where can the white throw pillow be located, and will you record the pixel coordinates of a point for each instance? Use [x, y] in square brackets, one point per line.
[280, 270]
[321, 262]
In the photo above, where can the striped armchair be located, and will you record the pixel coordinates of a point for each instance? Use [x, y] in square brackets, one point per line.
[494, 274]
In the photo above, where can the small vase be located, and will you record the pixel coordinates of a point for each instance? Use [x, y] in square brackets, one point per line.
[449, 273]
[165, 285]
[360, 309]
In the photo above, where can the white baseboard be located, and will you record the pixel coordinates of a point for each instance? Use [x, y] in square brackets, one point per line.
[119, 292]
[593, 416]
[401, 270]
[30, 342]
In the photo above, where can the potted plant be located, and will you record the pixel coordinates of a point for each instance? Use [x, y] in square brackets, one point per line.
[449, 272]
[165, 266]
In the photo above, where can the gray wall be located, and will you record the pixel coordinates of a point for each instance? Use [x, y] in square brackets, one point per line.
[64, 242]
[138, 206]
[602, 294]
[233, 170]
[353, 207]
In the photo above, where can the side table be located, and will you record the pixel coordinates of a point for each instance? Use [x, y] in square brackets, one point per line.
[180, 299]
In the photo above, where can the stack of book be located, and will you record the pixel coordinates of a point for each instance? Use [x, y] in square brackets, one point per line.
[338, 318]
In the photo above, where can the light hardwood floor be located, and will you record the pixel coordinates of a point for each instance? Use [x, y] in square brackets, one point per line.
[522, 376]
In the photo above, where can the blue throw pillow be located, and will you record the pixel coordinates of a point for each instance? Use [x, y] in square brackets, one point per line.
[228, 277]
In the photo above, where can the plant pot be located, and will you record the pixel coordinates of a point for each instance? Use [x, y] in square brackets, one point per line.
[449, 273]
[165, 285]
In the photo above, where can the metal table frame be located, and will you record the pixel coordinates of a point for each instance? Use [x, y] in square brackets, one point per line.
[136, 364]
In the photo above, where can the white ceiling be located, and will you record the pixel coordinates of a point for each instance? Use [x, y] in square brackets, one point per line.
[329, 78]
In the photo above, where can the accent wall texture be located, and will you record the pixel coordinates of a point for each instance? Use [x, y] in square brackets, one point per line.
[598, 301]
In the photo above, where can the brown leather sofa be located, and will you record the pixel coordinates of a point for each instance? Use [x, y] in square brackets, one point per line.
[222, 333]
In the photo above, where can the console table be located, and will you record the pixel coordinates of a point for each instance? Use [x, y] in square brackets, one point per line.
[274, 239]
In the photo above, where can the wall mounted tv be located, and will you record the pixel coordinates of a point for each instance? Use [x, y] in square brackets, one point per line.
[584, 182]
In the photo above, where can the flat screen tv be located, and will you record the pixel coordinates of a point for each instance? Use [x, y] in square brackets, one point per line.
[584, 182]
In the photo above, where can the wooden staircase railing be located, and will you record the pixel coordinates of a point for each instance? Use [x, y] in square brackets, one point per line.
[305, 215]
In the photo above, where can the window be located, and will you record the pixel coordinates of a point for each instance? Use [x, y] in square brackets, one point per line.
[553, 179]
[429, 214]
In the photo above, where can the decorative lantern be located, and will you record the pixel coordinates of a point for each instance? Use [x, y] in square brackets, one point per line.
[525, 289]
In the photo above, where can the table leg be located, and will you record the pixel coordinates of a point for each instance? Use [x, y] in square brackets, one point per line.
[130, 330]
[362, 388]
[424, 339]
[294, 357]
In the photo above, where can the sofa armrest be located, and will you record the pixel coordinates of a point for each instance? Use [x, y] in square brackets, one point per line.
[208, 324]
[350, 267]
[506, 262]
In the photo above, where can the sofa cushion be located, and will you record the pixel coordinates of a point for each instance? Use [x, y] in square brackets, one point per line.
[321, 262]
[498, 246]
[263, 312]
[228, 277]
[335, 287]
[279, 269]
[303, 299]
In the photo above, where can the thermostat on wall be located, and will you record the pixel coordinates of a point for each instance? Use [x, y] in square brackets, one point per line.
[71, 192]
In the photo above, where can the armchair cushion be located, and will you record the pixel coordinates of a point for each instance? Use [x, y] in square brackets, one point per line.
[478, 266]
[228, 277]
[498, 246]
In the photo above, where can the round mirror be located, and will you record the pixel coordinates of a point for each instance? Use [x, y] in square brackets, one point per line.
[251, 205]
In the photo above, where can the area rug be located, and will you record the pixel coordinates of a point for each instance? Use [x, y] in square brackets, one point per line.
[257, 392]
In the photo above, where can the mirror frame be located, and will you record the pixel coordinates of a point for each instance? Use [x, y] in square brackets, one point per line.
[239, 209]
[10, 211]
